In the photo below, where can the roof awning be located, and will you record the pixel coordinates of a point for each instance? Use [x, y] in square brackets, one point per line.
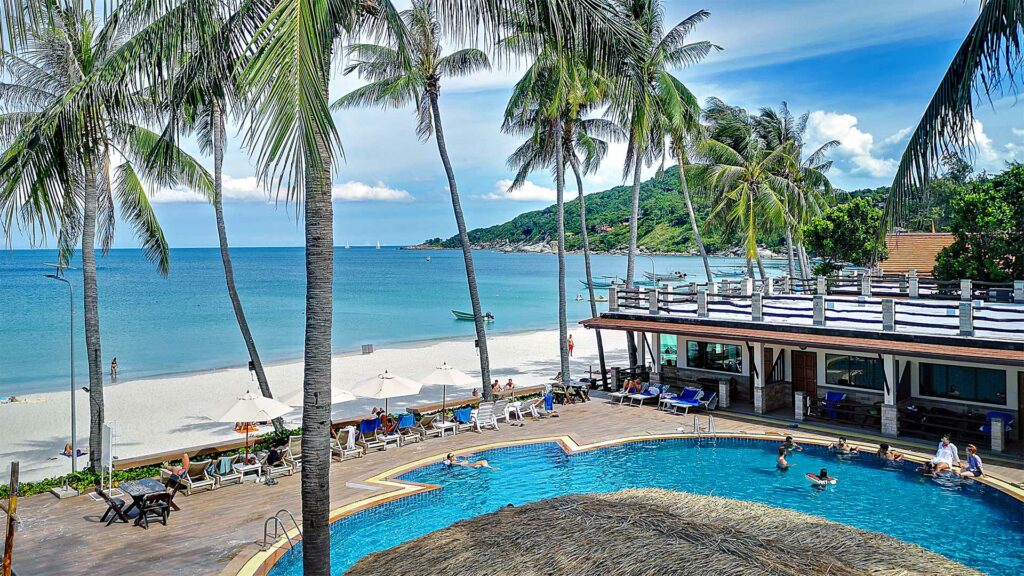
[865, 344]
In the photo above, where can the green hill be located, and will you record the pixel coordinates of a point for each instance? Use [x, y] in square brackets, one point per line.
[663, 225]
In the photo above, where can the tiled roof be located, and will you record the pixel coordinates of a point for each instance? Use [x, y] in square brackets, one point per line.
[913, 251]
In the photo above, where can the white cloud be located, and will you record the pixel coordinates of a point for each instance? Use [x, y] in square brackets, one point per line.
[168, 195]
[1018, 132]
[987, 157]
[245, 188]
[361, 192]
[896, 137]
[528, 192]
[855, 145]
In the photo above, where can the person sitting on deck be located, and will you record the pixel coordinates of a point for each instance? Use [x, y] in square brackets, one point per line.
[67, 451]
[842, 446]
[476, 393]
[496, 387]
[791, 445]
[886, 453]
[780, 462]
[452, 460]
[945, 456]
[178, 471]
[974, 466]
[509, 385]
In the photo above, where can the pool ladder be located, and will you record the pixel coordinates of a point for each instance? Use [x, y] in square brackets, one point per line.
[699, 430]
[276, 521]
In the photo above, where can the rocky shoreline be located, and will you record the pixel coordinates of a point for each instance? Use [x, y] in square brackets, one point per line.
[551, 248]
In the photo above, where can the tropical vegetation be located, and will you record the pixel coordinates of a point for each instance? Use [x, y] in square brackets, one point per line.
[845, 234]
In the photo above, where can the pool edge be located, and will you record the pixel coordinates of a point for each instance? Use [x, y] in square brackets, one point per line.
[261, 562]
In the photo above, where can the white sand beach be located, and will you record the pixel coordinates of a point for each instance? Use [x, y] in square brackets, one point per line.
[161, 414]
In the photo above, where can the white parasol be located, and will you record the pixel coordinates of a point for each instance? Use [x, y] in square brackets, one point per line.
[252, 408]
[384, 386]
[446, 376]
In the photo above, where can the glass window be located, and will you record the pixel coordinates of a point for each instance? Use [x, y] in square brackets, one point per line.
[714, 356]
[669, 350]
[854, 371]
[963, 383]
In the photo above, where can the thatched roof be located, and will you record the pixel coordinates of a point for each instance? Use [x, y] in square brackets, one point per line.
[653, 532]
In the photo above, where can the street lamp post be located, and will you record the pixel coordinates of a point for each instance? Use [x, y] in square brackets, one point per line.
[71, 347]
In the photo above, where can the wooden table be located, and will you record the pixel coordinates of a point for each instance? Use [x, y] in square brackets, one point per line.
[139, 489]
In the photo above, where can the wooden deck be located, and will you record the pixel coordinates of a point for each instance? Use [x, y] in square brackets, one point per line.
[215, 532]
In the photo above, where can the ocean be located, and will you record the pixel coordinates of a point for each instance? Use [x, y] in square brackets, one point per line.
[184, 323]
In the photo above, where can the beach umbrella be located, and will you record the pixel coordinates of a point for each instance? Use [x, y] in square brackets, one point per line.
[384, 386]
[338, 395]
[445, 376]
[252, 408]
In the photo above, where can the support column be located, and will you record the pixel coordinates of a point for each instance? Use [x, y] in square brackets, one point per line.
[966, 291]
[652, 302]
[770, 281]
[915, 287]
[757, 374]
[865, 285]
[723, 394]
[747, 287]
[821, 286]
[756, 307]
[890, 414]
[642, 344]
[1018, 291]
[702, 304]
[819, 309]
[798, 405]
[888, 315]
[966, 319]
[998, 435]
[656, 349]
[613, 299]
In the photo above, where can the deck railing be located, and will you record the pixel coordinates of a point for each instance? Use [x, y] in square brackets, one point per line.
[879, 313]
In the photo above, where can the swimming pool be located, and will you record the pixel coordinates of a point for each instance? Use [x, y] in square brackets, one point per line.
[971, 523]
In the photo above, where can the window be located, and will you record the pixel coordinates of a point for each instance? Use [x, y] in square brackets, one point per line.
[854, 371]
[714, 356]
[963, 383]
[669, 350]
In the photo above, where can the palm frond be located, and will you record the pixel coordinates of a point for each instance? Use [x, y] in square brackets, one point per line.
[463, 62]
[137, 211]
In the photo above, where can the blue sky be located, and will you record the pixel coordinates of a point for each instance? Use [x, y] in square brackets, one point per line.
[864, 69]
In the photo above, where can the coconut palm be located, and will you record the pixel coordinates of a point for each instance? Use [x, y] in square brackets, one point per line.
[199, 93]
[74, 148]
[412, 75]
[295, 140]
[744, 176]
[989, 60]
[809, 186]
[637, 98]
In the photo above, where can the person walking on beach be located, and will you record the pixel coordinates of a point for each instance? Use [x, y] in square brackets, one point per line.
[113, 368]
[571, 345]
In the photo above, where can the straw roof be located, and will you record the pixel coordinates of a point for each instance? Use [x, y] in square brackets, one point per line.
[653, 532]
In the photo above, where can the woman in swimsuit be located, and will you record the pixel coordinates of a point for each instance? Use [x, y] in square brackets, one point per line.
[452, 460]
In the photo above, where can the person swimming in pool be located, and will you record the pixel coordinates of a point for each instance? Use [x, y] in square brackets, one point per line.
[887, 453]
[842, 446]
[453, 460]
[822, 478]
[791, 445]
[780, 462]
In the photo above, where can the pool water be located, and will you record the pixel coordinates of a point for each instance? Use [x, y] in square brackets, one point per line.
[968, 522]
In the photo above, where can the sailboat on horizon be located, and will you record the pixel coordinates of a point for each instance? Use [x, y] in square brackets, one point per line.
[378, 245]
[346, 246]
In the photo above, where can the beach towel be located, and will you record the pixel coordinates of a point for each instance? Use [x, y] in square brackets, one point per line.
[224, 464]
[350, 440]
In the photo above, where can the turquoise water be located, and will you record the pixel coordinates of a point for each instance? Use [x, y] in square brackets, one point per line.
[184, 323]
[973, 524]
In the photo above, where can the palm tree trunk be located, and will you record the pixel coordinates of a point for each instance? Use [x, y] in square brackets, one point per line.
[805, 262]
[693, 218]
[316, 378]
[760, 265]
[225, 255]
[467, 252]
[789, 251]
[90, 300]
[563, 325]
[586, 263]
[634, 217]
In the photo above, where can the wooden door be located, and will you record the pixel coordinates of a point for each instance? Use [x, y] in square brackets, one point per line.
[805, 373]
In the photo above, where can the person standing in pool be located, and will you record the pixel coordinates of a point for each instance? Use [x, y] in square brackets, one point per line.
[780, 462]
[791, 445]
[886, 453]
[974, 466]
[842, 446]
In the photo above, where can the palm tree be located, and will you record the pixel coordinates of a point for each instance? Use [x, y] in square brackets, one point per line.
[990, 59]
[743, 173]
[809, 186]
[412, 75]
[200, 92]
[295, 140]
[74, 147]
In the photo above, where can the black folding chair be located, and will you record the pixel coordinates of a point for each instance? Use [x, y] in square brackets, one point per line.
[115, 508]
[156, 506]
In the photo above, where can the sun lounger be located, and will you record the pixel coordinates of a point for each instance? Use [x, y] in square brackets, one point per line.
[485, 417]
[371, 436]
[524, 408]
[652, 393]
[500, 411]
[294, 456]
[192, 479]
[464, 419]
[224, 472]
[407, 428]
[709, 403]
[281, 468]
[428, 426]
[688, 398]
[344, 444]
[115, 508]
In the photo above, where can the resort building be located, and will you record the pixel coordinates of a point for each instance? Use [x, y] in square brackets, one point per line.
[902, 355]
